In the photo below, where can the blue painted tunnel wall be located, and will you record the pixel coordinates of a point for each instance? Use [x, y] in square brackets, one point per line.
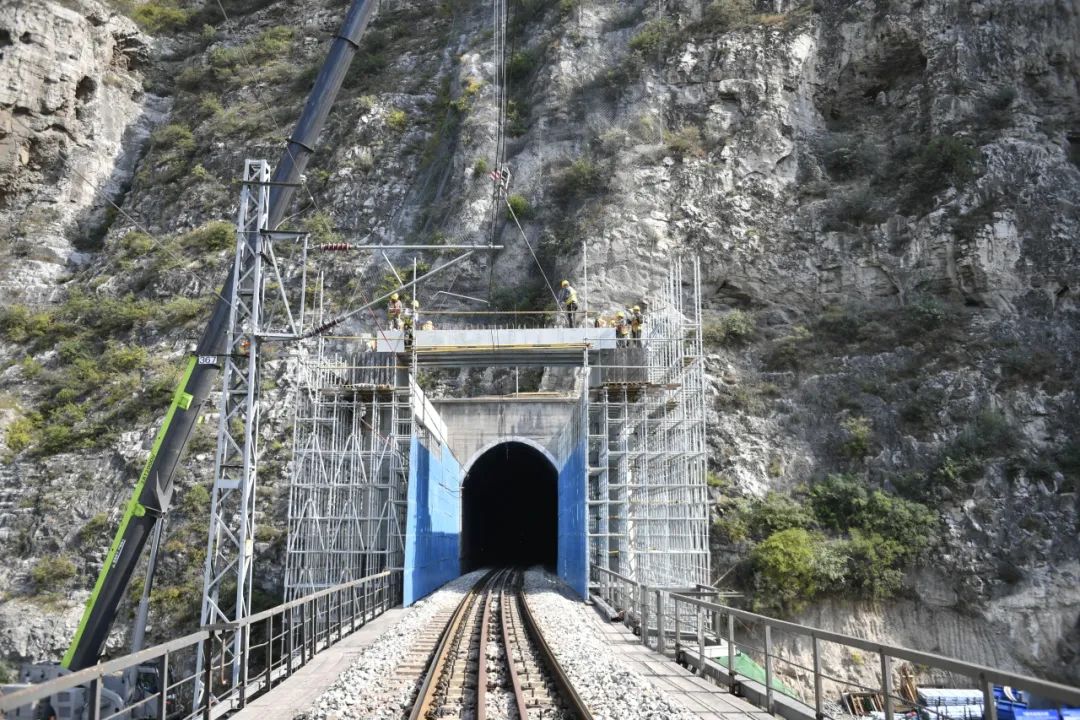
[433, 525]
[572, 553]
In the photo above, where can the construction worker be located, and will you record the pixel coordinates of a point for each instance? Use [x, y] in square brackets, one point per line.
[600, 322]
[568, 301]
[428, 325]
[393, 312]
[409, 318]
[622, 329]
[636, 321]
[411, 315]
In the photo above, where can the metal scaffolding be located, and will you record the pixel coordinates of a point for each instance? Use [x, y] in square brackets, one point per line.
[347, 496]
[648, 505]
[357, 410]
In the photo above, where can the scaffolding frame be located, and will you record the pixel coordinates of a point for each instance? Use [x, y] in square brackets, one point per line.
[642, 411]
[647, 498]
[348, 491]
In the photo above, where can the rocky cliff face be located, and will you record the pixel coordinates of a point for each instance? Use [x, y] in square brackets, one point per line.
[884, 194]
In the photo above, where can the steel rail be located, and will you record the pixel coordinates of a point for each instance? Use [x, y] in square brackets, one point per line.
[508, 647]
[562, 682]
[481, 668]
[426, 695]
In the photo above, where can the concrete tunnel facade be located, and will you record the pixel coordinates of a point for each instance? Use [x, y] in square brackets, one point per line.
[496, 481]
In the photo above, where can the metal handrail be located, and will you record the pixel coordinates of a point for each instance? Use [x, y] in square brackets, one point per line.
[1052, 690]
[637, 596]
[315, 633]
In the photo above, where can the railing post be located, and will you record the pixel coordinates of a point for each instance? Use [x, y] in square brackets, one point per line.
[289, 641]
[313, 636]
[768, 670]
[93, 703]
[340, 610]
[886, 684]
[269, 652]
[678, 629]
[701, 641]
[245, 658]
[732, 684]
[644, 595]
[163, 684]
[363, 604]
[303, 634]
[352, 609]
[660, 622]
[819, 709]
[208, 673]
[989, 705]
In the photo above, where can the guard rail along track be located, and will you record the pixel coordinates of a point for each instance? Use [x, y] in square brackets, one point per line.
[460, 673]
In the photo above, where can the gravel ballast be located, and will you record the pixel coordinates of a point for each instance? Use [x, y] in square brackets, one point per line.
[610, 689]
[370, 689]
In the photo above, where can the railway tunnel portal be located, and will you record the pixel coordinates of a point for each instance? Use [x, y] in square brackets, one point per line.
[609, 470]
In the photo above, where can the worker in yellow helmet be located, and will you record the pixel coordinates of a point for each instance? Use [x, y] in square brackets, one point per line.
[636, 321]
[568, 301]
[393, 312]
[622, 328]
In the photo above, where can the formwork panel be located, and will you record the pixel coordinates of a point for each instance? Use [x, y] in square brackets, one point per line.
[573, 564]
[433, 526]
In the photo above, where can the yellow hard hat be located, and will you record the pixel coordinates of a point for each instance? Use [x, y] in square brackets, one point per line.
[637, 309]
[394, 296]
[565, 283]
[416, 303]
[620, 314]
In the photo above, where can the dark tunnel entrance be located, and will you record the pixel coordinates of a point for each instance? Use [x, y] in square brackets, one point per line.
[509, 509]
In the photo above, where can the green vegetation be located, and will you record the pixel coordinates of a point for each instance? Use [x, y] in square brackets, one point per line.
[52, 573]
[858, 435]
[101, 378]
[724, 15]
[785, 567]
[480, 168]
[521, 65]
[321, 227]
[518, 207]
[196, 501]
[837, 537]
[734, 328]
[582, 179]
[159, 16]
[685, 142]
[95, 532]
[19, 434]
[655, 39]
[397, 120]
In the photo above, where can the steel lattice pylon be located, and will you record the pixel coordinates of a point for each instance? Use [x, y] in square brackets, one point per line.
[256, 314]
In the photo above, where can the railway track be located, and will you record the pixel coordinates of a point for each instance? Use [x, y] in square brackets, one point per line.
[460, 672]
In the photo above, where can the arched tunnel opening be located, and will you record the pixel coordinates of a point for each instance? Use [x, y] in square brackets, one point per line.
[509, 509]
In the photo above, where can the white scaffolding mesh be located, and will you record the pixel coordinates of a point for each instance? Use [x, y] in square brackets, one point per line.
[349, 479]
[648, 505]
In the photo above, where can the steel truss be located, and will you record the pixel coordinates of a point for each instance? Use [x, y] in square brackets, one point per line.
[264, 307]
[648, 503]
